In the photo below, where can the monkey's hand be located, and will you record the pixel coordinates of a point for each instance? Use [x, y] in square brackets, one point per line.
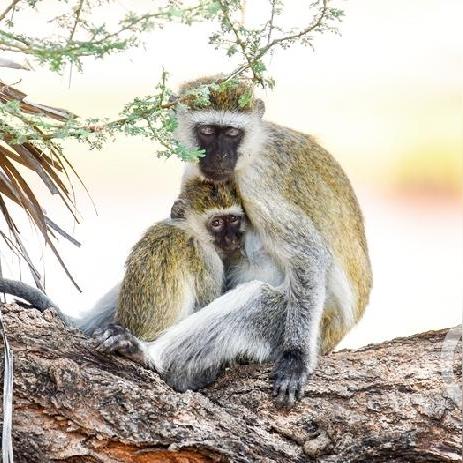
[116, 339]
[290, 375]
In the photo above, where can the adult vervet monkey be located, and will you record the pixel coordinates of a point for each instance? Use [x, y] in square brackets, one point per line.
[176, 268]
[307, 251]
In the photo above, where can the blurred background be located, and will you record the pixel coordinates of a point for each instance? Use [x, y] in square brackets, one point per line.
[385, 98]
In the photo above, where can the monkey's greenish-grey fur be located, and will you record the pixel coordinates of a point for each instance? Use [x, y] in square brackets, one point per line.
[174, 268]
[320, 188]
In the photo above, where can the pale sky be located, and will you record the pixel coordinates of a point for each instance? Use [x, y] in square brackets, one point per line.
[387, 89]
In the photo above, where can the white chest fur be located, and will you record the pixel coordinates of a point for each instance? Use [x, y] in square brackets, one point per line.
[257, 263]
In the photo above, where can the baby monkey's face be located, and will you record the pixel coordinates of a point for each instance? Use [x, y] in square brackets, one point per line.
[227, 231]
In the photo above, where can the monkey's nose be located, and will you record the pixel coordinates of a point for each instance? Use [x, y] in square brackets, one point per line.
[230, 242]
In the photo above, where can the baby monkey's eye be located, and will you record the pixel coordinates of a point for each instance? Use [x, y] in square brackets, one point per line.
[206, 130]
[234, 219]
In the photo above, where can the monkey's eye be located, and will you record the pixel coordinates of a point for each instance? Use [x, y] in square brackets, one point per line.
[232, 132]
[234, 219]
[206, 130]
[216, 223]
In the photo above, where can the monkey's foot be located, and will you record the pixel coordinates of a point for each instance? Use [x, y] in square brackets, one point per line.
[117, 340]
[290, 375]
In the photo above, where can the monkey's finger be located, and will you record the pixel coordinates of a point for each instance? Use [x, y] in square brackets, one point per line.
[123, 347]
[283, 388]
[300, 392]
[290, 399]
[276, 385]
[110, 344]
[292, 392]
[102, 336]
[98, 332]
[96, 342]
[301, 383]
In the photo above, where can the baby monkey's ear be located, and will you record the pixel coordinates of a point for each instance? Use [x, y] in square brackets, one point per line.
[178, 209]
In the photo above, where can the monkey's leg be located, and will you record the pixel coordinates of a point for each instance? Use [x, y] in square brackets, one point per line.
[248, 321]
[102, 314]
[116, 339]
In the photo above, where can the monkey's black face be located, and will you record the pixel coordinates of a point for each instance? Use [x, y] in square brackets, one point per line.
[227, 232]
[221, 147]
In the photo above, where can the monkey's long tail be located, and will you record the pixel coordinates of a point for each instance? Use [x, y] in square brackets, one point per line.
[34, 296]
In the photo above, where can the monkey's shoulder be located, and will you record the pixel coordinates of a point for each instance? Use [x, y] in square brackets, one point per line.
[304, 161]
[285, 139]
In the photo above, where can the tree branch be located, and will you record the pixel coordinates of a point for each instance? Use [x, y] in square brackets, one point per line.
[385, 402]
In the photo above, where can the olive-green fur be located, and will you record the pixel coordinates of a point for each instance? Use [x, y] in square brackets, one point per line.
[157, 270]
[233, 95]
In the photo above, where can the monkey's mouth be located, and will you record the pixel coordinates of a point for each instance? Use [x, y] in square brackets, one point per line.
[228, 249]
[217, 175]
[231, 248]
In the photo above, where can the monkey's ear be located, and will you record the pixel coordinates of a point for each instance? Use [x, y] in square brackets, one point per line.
[178, 209]
[259, 106]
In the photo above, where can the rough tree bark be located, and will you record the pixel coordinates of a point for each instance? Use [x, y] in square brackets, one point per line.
[382, 403]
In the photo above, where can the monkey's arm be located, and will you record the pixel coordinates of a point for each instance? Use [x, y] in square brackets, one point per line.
[32, 295]
[256, 321]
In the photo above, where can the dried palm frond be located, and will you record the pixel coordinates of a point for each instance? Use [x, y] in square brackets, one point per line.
[46, 159]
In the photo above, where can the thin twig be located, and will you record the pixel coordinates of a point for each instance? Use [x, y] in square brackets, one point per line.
[298, 35]
[8, 9]
[270, 23]
[135, 21]
[77, 13]
[239, 40]
[264, 50]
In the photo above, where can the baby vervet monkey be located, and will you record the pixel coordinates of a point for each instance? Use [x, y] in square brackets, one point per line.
[177, 266]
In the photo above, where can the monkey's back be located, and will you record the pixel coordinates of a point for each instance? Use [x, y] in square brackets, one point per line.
[320, 187]
[167, 276]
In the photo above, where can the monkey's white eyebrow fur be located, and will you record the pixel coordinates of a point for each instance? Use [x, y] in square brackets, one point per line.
[236, 209]
[224, 118]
